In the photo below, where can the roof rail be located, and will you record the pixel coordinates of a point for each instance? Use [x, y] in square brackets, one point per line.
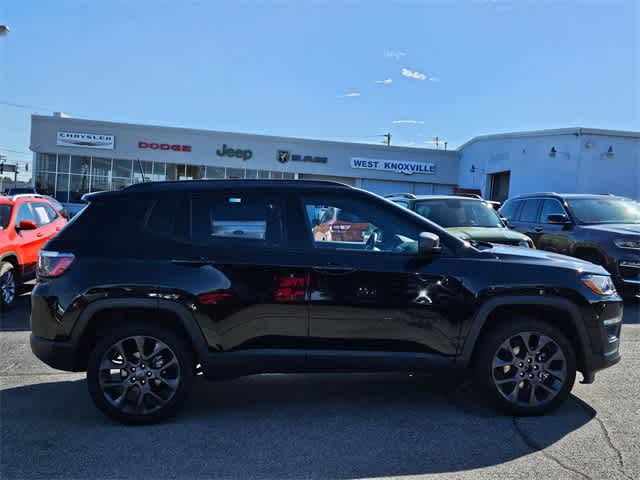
[401, 195]
[163, 185]
[24, 195]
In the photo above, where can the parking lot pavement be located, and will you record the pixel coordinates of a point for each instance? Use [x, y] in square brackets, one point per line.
[322, 426]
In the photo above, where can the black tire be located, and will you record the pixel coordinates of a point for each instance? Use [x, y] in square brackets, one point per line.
[153, 411]
[532, 396]
[8, 286]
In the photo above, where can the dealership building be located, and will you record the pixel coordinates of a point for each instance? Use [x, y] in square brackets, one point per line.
[76, 156]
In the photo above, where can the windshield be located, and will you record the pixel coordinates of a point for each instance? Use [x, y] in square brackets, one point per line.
[5, 213]
[458, 213]
[604, 210]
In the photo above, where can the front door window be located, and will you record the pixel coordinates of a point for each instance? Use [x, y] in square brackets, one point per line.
[350, 225]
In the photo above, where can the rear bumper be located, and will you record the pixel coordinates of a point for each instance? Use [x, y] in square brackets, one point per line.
[56, 354]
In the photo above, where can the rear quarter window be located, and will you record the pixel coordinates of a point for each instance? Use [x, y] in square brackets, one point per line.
[235, 220]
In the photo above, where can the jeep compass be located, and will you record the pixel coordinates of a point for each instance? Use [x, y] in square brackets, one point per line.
[227, 278]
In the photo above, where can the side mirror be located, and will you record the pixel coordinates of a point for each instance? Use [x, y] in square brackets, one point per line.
[506, 223]
[27, 225]
[428, 244]
[558, 218]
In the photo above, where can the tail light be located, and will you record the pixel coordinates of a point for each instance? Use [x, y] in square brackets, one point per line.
[53, 264]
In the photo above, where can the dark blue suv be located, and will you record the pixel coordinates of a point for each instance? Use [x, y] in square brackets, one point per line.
[602, 229]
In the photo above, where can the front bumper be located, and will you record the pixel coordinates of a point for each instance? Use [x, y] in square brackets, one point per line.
[56, 354]
[604, 326]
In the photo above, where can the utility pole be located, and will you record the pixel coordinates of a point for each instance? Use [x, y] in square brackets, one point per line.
[388, 138]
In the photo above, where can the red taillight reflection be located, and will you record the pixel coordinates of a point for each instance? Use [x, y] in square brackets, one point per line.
[213, 298]
[53, 264]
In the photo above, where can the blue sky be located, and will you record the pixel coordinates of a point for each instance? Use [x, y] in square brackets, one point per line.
[284, 68]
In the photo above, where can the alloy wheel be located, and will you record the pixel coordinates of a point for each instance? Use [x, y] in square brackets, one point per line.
[8, 287]
[529, 369]
[139, 375]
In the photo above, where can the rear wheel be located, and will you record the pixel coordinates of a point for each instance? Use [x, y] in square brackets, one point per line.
[527, 367]
[8, 286]
[140, 374]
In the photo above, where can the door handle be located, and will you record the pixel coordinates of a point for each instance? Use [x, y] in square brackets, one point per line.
[538, 229]
[39, 234]
[334, 269]
[192, 261]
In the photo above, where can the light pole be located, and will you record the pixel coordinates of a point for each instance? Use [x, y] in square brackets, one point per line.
[4, 30]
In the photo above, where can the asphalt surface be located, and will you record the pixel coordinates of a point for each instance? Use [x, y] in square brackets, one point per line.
[316, 426]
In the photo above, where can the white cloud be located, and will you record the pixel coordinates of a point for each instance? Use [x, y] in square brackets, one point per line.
[408, 122]
[413, 74]
[433, 79]
[386, 81]
[394, 54]
[349, 94]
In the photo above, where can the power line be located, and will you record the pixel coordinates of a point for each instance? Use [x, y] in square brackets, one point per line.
[26, 106]
[4, 149]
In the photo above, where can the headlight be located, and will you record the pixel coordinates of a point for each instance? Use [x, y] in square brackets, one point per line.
[627, 243]
[600, 284]
[524, 243]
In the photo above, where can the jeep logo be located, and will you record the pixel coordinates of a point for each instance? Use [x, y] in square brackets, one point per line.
[237, 152]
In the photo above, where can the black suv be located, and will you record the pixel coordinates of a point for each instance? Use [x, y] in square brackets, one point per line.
[602, 229]
[153, 284]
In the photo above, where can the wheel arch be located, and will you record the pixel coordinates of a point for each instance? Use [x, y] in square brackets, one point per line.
[560, 312]
[12, 258]
[102, 314]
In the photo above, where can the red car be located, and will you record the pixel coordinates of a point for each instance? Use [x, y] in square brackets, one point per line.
[26, 223]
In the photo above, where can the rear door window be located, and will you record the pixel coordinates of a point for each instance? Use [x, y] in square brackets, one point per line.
[43, 213]
[530, 211]
[237, 220]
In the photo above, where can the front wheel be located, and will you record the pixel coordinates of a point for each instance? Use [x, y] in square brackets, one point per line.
[140, 374]
[527, 366]
[8, 286]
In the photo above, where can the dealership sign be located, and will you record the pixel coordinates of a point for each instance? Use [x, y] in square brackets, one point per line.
[397, 166]
[225, 151]
[283, 156]
[85, 140]
[174, 147]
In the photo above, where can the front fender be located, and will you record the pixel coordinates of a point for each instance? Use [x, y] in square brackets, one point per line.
[482, 315]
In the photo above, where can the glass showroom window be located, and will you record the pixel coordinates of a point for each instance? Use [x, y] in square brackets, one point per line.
[62, 187]
[45, 183]
[235, 173]
[195, 172]
[64, 163]
[159, 171]
[215, 172]
[79, 185]
[263, 173]
[46, 162]
[140, 166]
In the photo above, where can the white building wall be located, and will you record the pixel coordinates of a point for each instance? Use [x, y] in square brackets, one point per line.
[580, 164]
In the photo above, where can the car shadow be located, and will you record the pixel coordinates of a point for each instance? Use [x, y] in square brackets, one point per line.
[17, 319]
[277, 426]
